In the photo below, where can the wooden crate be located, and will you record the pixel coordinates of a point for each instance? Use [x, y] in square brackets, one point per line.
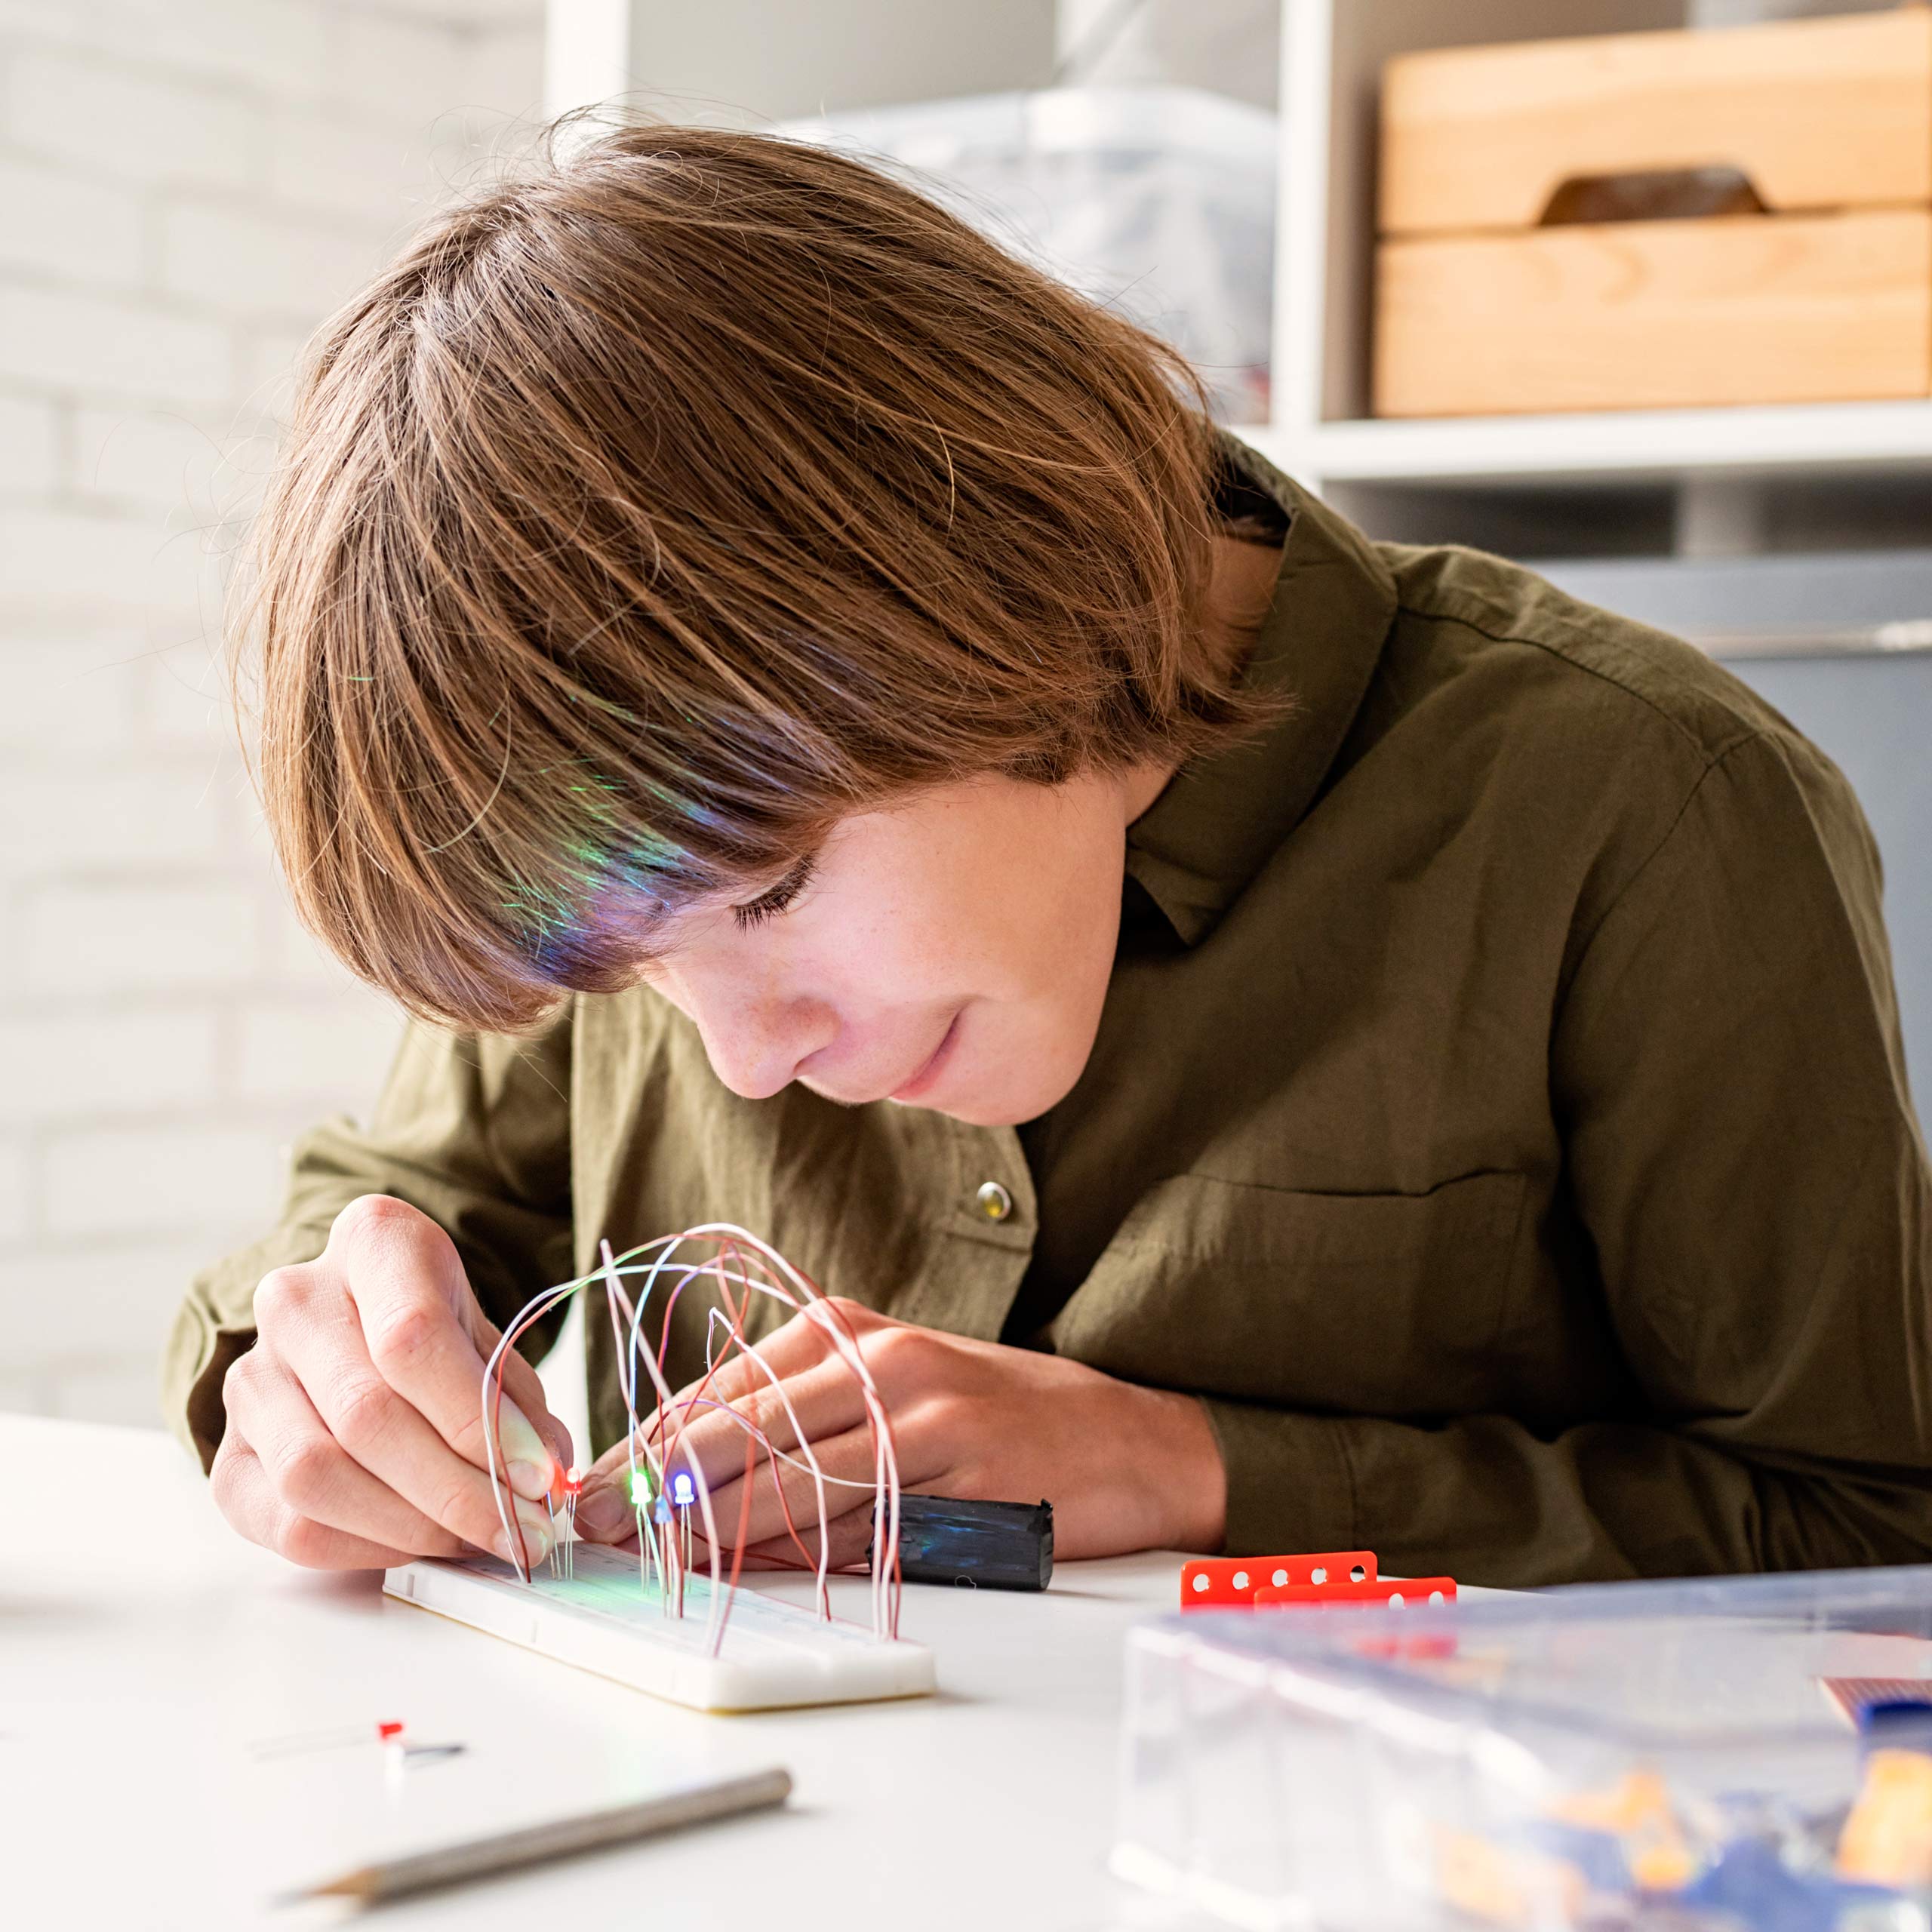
[1827, 296]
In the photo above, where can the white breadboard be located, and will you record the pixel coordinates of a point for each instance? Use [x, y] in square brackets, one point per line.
[773, 1654]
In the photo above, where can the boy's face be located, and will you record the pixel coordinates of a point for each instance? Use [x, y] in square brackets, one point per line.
[952, 952]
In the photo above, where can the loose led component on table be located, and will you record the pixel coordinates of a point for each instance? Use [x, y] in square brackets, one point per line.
[387, 1734]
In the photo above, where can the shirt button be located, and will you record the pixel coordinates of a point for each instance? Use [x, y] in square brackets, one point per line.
[993, 1201]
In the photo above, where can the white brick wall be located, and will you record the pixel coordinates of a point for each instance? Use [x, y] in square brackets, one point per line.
[76, 230]
[93, 345]
[186, 188]
[140, 127]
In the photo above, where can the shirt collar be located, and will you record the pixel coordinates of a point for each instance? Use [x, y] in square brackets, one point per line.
[1198, 846]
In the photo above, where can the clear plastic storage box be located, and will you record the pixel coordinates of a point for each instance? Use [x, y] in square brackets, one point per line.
[1159, 201]
[1752, 1752]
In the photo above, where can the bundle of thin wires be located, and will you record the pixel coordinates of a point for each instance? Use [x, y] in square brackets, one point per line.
[664, 1483]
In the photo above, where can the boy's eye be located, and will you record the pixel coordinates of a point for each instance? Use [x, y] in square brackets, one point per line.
[774, 899]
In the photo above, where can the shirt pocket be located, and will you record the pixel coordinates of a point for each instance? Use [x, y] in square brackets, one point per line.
[1380, 1304]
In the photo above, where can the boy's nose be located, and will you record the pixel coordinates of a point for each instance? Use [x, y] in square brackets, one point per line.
[758, 1052]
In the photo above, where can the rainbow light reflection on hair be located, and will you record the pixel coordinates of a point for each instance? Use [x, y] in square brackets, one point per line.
[617, 863]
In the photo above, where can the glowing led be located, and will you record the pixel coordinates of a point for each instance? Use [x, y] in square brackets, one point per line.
[640, 1482]
[682, 1492]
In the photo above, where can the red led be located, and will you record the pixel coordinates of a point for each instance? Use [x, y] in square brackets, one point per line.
[385, 1732]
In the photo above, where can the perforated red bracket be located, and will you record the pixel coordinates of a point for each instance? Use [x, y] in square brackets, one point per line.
[1398, 1593]
[1232, 1582]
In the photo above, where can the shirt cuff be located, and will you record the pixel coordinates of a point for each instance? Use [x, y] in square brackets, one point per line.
[1290, 1489]
[198, 1356]
[215, 1326]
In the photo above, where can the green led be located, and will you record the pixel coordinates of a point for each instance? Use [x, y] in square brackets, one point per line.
[641, 1491]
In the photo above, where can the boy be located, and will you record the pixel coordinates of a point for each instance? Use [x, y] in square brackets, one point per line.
[1283, 1042]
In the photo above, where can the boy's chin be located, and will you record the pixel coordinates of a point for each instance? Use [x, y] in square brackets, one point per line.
[1005, 1103]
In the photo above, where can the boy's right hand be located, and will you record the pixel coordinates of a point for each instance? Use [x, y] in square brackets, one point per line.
[355, 1433]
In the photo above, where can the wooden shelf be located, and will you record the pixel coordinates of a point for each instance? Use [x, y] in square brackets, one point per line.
[1332, 53]
[1608, 446]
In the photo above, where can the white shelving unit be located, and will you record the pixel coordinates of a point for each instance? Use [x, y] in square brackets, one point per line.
[1636, 446]
[1333, 52]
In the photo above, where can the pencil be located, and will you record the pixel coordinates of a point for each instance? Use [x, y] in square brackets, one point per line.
[558, 1837]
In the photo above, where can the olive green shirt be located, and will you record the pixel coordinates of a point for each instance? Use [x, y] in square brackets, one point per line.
[1505, 1133]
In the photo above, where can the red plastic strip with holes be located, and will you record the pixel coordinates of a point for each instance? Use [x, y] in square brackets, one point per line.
[1230, 1583]
[1420, 1591]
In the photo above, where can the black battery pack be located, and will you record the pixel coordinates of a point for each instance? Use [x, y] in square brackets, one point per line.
[990, 1546]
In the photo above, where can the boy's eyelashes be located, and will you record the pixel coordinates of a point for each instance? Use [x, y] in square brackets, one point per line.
[776, 898]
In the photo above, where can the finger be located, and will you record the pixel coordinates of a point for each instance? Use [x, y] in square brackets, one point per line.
[523, 1387]
[785, 1353]
[847, 1466]
[821, 1397]
[311, 1474]
[801, 1344]
[848, 1540]
[820, 1402]
[410, 1293]
[324, 1351]
[248, 1499]
[844, 1336]
[801, 1354]
[710, 1434]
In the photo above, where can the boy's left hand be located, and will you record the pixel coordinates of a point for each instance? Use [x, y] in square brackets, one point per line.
[1125, 1467]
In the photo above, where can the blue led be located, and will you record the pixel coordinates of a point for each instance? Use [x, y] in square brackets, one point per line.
[682, 1494]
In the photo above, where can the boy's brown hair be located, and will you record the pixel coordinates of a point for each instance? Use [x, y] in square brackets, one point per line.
[656, 511]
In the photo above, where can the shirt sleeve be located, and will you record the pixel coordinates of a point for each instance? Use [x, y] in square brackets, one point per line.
[1740, 1147]
[472, 1129]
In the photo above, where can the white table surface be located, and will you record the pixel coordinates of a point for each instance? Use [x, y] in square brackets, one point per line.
[144, 1648]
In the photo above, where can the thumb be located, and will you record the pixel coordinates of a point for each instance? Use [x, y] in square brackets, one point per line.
[525, 1387]
[605, 1512]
